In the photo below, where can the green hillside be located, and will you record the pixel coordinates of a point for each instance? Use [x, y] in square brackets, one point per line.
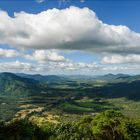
[13, 85]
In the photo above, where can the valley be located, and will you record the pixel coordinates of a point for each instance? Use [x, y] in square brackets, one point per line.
[27, 95]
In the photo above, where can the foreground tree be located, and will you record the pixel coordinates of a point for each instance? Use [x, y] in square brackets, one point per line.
[107, 125]
[131, 129]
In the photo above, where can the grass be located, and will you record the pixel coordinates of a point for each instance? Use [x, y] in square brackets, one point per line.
[129, 108]
[68, 107]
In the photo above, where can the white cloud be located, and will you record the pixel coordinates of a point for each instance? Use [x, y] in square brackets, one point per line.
[66, 68]
[43, 56]
[73, 66]
[40, 1]
[82, 1]
[40, 56]
[16, 66]
[8, 53]
[119, 59]
[71, 28]
[47, 68]
[47, 33]
[60, 2]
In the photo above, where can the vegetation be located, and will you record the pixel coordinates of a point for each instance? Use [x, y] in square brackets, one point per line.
[108, 125]
[35, 107]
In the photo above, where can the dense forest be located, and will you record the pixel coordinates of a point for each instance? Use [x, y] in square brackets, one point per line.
[108, 125]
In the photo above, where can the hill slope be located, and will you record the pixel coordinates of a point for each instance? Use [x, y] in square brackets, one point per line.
[11, 84]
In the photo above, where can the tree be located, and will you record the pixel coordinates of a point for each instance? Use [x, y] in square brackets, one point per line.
[131, 129]
[107, 125]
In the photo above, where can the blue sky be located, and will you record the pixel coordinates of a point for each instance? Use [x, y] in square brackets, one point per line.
[114, 49]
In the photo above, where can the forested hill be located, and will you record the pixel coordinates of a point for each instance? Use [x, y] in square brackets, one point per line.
[11, 84]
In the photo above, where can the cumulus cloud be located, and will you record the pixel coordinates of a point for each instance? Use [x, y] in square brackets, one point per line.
[40, 38]
[72, 66]
[129, 69]
[65, 67]
[43, 56]
[119, 59]
[71, 28]
[8, 53]
[47, 68]
[40, 56]
[16, 66]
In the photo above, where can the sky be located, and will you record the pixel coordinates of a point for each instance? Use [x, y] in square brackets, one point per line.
[88, 37]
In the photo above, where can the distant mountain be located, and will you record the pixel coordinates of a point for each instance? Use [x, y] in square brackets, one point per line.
[129, 78]
[112, 77]
[43, 78]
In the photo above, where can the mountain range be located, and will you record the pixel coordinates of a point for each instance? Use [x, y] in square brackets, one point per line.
[25, 84]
